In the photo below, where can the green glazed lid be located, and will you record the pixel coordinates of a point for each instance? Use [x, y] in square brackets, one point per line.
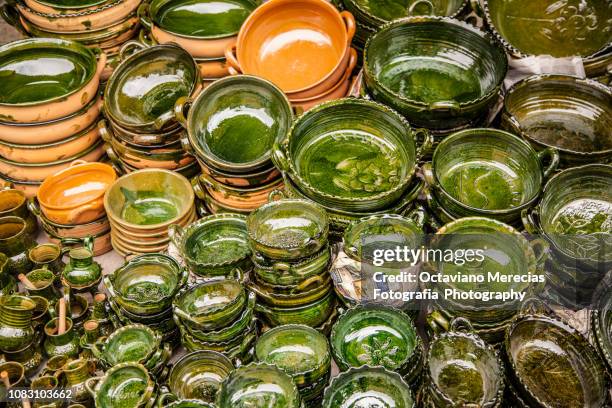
[43, 70]
[297, 349]
[210, 301]
[132, 343]
[374, 335]
[368, 387]
[550, 27]
[235, 122]
[201, 18]
[142, 90]
[258, 386]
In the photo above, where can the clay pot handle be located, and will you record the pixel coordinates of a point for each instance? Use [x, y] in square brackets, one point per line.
[101, 63]
[437, 322]
[181, 109]
[349, 22]
[165, 399]
[175, 233]
[197, 188]
[276, 195]
[78, 162]
[232, 60]
[279, 158]
[10, 15]
[116, 162]
[530, 220]
[77, 212]
[212, 184]
[461, 324]
[427, 142]
[554, 159]
[145, 39]
[129, 48]
[307, 283]
[540, 249]
[90, 383]
[414, 5]
[105, 133]
[144, 18]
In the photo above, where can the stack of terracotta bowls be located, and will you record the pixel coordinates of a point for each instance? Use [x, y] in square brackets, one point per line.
[218, 316]
[354, 157]
[291, 255]
[100, 24]
[71, 204]
[309, 68]
[232, 126]
[140, 130]
[204, 28]
[142, 205]
[47, 112]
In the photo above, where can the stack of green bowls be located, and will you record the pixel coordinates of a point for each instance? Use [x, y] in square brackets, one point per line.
[303, 353]
[288, 240]
[141, 291]
[140, 128]
[217, 315]
[232, 126]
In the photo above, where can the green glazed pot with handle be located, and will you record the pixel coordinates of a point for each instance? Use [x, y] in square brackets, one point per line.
[15, 242]
[16, 329]
[66, 343]
[125, 385]
[82, 272]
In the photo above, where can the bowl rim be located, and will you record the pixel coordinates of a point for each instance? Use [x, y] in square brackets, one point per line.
[135, 326]
[493, 42]
[197, 356]
[241, 298]
[462, 6]
[150, 385]
[59, 44]
[292, 171]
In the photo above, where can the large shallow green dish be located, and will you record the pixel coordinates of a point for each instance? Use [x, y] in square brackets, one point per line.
[549, 27]
[575, 215]
[214, 245]
[378, 12]
[463, 369]
[212, 304]
[146, 284]
[258, 386]
[125, 385]
[552, 365]
[351, 154]
[368, 387]
[300, 351]
[489, 173]
[43, 70]
[141, 92]
[375, 335]
[440, 73]
[288, 229]
[234, 123]
[570, 114]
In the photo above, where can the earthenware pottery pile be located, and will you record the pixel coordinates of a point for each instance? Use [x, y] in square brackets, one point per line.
[217, 315]
[141, 291]
[48, 109]
[303, 353]
[462, 369]
[71, 207]
[215, 245]
[354, 157]
[141, 131]
[289, 243]
[204, 28]
[142, 205]
[97, 24]
[313, 61]
[231, 128]
[504, 251]
[574, 215]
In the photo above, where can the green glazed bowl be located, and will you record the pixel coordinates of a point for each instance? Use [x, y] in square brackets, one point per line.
[210, 305]
[199, 375]
[313, 314]
[258, 386]
[440, 73]
[189, 404]
[300, 351]
[574, 215]
[42, 70]
[141, 92]
[215, 245]
[489, 173]
[552, 364]
[351, 154]
[291, 276]
[570, 114]
[234, 349]
[375, 335]
[146, 284]
[124, 385]
[234, 123]
[312, 291]
[288, 229]
[463, 369]
[368, 387]
[548, 27]
[134, 343]
[601, 321]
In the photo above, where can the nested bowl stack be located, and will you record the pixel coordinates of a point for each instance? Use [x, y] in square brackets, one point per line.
[231, 128]
[314, 63]
[142, 205]
[217, 315]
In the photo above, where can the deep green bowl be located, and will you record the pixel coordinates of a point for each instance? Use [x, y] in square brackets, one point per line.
[368, 387]
[141, 92]
[440, 73]
[126, 384]
[601, 321]
[570, 114]
[351, 154]
[489, 173]
[135, 343]
[291, 275]
[234, 123]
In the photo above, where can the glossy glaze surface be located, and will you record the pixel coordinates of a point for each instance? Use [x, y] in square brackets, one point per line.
[125, 385]
[384, 10]
[132, 343]
[214, 303]
[199, 375]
